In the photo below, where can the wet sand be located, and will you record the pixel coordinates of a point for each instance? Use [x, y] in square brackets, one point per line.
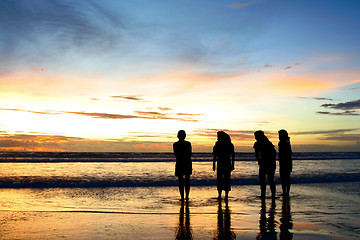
[314, 211]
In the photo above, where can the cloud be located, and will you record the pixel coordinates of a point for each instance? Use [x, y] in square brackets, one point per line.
[59, 143]
[38, 70]
[325, 148]
[348, 107]
[165, 108]
[30, 142]
[263, 122]
[167, 116]
[239, 5]
[236, 135]
[338, 135]
[189, 114]
[48, 112]
[342, 137]
[248, 135]
[57, 26]
[317, 98]
[343, 106]
[104, 115]
[353, 88]
[151, 113]
[326, 131]
[292, 66]
[244, 4]
[188, 117]
[129, 97]
[345, 113]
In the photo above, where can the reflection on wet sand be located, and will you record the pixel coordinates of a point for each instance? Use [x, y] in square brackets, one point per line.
[286, 220]
[267, 225]
[184, 230]
[224, 223]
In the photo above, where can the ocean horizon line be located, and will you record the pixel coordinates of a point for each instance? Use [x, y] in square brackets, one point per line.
[53, 157]
[128, 152]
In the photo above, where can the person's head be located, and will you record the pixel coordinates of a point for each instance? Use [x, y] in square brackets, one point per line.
[283, 135]
[220, 136]
[259, 135]
[223, 137]
[181, 135]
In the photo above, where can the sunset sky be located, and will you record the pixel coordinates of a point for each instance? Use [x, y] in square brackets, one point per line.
[127, 75]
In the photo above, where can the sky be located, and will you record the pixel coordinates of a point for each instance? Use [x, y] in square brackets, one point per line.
[126, 76]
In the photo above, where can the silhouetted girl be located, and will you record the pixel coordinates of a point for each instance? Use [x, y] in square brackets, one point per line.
[183, 166]
[265, 155]
[285, 161]
[225, 156]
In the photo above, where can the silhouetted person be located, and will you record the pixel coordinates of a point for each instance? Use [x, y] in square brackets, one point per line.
[285, 220]
[224, 223]
[183, 166]
[224, 155]
[267, 225]
[285, 161]
[184, 229]
[265, 155]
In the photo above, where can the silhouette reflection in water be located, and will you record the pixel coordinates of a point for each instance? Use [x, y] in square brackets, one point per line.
[285, 220]
[224, 223]
[267, 225]
[184, 230]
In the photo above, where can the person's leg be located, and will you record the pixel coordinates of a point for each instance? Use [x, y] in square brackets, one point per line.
[271, 180]
[283, 181]
[262, 179]
[283, 185]
[288, 183]
[227, 184]
[181, 186]
[187, 186]
[220, 182]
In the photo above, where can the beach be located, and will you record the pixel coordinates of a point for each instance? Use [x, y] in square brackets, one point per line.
[313, 211]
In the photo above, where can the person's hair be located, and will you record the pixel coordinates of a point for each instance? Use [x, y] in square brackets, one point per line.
[223, 137]
[260, 136]
[283, 135]
[181, 134]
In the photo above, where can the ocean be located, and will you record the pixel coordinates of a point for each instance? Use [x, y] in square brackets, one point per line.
[85, 169]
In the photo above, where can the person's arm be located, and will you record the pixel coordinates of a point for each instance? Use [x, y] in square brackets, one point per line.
[174, 148]
[257, 155]
[215, 157]
[233, 157]
[290, 151]
[190, 149]
[233, 161]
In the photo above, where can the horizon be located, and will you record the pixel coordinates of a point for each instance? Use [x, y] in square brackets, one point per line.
[170, 153]
[126, 76]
